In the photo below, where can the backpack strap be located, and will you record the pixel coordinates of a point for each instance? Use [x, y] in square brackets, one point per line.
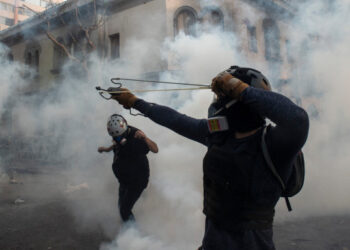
[272, 166]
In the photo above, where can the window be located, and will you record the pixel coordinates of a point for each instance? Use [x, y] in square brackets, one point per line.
[9, 22]
[253, 44]
[272, 40]
[212, 16]
[185, 20]
[28, 58]
[2, 20]
[79, 45]
[6, 6]
[59, 56]
[36, 59]
[251, 36]
[289, 52]
[10, 57]
[115, 45]
[9, 7]
[69, 42]
[32, 55]
[217, 18]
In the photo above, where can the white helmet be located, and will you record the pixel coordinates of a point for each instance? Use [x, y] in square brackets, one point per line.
[116, 125]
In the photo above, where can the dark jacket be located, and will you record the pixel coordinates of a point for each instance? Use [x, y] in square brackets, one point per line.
[130, 163]
[283, 140]
[258, 187]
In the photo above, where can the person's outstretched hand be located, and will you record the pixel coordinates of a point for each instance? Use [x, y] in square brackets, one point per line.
[127, 99]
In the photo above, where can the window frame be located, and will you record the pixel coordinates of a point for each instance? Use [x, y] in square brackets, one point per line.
[272, 39]
[114, 39]
[180, 11]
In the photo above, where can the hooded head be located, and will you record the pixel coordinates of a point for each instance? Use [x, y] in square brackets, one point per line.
[239, 116]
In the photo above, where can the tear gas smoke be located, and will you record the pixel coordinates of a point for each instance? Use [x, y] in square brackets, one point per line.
[322, 85]
[169, 212]
[11, 80]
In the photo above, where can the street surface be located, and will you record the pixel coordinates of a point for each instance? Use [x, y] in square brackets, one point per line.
[29, 221]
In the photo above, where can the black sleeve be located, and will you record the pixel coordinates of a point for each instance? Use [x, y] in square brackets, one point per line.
[292, 123]
[191, 128]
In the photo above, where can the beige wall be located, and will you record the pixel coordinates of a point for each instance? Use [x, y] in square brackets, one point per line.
[235, 12]
[3, 26]
[144, 24]
[242, 11]
[172, 6]
[45, 76]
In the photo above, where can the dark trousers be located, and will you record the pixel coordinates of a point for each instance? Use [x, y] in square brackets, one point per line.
[216, 238]
[128, 195]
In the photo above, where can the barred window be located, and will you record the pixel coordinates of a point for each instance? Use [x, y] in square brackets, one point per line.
[272, 40]
[32, 55]
[213, 16]
[115, 45]
[59, 56]
[185, 21]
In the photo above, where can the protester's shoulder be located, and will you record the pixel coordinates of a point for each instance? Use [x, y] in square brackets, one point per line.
[303, 116]
[132, 129]
[132, 132]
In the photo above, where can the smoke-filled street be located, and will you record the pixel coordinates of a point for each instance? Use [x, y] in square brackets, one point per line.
[32, 222]
[47, 223]
[87, 164]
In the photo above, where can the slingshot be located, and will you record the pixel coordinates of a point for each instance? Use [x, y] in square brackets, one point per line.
[117, 90]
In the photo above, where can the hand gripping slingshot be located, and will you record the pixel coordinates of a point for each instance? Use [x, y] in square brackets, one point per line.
[108, 93]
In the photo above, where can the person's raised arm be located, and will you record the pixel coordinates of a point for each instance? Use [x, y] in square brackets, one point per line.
[151, 144]
[191, 128]
[292, 123]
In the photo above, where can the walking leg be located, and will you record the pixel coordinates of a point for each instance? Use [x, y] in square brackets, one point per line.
[128, 195]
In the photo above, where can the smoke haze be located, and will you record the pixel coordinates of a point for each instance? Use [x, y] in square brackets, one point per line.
[169, 213]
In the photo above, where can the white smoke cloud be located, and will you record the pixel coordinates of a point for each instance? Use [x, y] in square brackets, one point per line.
[12, 80]
[323, 85]
[132, 239]
[169, 212]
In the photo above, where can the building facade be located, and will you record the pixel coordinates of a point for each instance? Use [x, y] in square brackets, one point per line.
[58, 34]
[70, 31]
[15, 11]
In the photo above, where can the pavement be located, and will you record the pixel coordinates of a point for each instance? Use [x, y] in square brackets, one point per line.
[32, 222]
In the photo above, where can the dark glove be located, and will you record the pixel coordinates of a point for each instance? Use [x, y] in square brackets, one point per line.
[224, 84]
[126, 99]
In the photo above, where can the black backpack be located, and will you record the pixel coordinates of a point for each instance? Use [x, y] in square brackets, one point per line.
[296, 180]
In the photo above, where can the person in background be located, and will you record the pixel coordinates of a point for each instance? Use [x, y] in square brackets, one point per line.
[240, 191]
[130, 164]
